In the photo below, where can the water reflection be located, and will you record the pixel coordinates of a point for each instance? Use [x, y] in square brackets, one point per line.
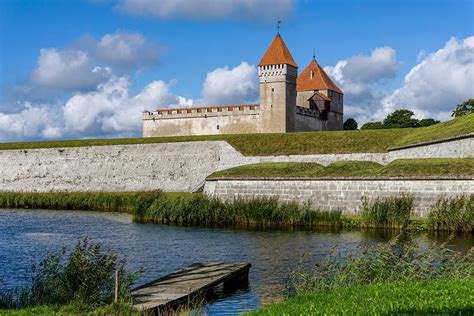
[26, 236]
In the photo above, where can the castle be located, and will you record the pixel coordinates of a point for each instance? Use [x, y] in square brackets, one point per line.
[289, 102]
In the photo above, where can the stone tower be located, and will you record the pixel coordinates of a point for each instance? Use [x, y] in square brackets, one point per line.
[277, 72]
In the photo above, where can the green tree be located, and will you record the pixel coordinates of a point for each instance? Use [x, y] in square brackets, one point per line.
[350, 124]
[401, 118]
[372, 125]
[464, 108]
[428, 122]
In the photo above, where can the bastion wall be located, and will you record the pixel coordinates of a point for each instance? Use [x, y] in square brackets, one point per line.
[167, 166]
[342, 194]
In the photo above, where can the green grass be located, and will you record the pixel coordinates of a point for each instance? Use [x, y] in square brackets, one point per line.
[430, 167]
[427, 297]
[455, 127]
[88, 201]
[112, 309]
[373, 141]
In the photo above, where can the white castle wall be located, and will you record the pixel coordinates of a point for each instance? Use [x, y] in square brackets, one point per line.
[167, 166]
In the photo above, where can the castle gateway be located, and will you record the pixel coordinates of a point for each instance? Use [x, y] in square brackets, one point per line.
[289, 102]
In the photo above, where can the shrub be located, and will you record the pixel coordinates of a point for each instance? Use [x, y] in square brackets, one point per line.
[372, 125]
[395, 261]
[456, 214]
[85, 278]
[350, 124]
[393, 212]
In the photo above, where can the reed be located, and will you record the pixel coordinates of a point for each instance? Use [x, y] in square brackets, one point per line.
[456, 214]
[93, 201]
[198, 209]
[84, 277]
[391, 212]
[395, 261]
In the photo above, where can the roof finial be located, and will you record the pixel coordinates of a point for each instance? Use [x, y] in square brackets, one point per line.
[314, 54]
[278, 26]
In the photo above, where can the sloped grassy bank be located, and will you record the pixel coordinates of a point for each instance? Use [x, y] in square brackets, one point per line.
[455, 214]
[372, 141]
[400, 168]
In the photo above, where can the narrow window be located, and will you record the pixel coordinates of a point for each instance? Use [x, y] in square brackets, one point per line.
[311, 74]
[217, 126]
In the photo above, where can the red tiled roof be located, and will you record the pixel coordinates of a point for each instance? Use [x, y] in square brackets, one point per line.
[319, 81]
[277, 53]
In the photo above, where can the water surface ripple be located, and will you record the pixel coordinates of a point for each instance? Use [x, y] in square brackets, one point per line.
[26, 236]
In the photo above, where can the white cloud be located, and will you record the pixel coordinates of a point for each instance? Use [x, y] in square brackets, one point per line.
[67, 69]
[90, 62]
[380, 64]
[267, 10]
[111, 109]
[439, 82]
[126, 50]
[231, 86]
[32, 122]
[358, 76]
[108, 111]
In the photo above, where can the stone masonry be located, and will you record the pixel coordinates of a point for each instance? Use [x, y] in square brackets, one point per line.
[342, 194]
[167, 166]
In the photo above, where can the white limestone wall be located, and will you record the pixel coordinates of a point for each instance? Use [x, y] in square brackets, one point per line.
[167, 166]
[341, 194]
[455, 147]
[170, 167]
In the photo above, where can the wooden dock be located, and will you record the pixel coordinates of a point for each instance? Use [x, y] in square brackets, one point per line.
[169, 292]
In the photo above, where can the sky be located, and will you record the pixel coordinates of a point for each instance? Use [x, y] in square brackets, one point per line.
[87, 69]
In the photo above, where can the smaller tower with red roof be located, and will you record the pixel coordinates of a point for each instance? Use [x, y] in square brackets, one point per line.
[316, 91]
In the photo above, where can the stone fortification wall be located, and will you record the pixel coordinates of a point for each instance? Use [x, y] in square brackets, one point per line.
[307, 120]
[202, 121]
[342, 194]
[454, 147]
[167, 166]
[171, 167]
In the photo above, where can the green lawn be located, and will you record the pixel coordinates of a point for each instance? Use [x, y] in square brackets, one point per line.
[408, 298]
[112, 309]
[430, 167]
[293, 143]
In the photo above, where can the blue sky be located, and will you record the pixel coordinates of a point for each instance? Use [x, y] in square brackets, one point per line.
[177, 44]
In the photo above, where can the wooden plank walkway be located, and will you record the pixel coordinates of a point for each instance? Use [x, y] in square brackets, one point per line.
[182, 286]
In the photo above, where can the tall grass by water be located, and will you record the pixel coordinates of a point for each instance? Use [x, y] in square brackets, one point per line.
[390, 212]
[455, 214]
[198, 209]
[95, 201]
[398, 277]
[84, 278]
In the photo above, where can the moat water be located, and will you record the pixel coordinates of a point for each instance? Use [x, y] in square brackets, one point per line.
[27, 235]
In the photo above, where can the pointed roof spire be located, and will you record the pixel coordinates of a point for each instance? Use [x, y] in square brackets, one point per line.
[313, 77]
[314, 54]
[277, 53]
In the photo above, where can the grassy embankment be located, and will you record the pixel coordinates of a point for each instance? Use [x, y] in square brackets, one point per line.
[292, 143]
[404, 168]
